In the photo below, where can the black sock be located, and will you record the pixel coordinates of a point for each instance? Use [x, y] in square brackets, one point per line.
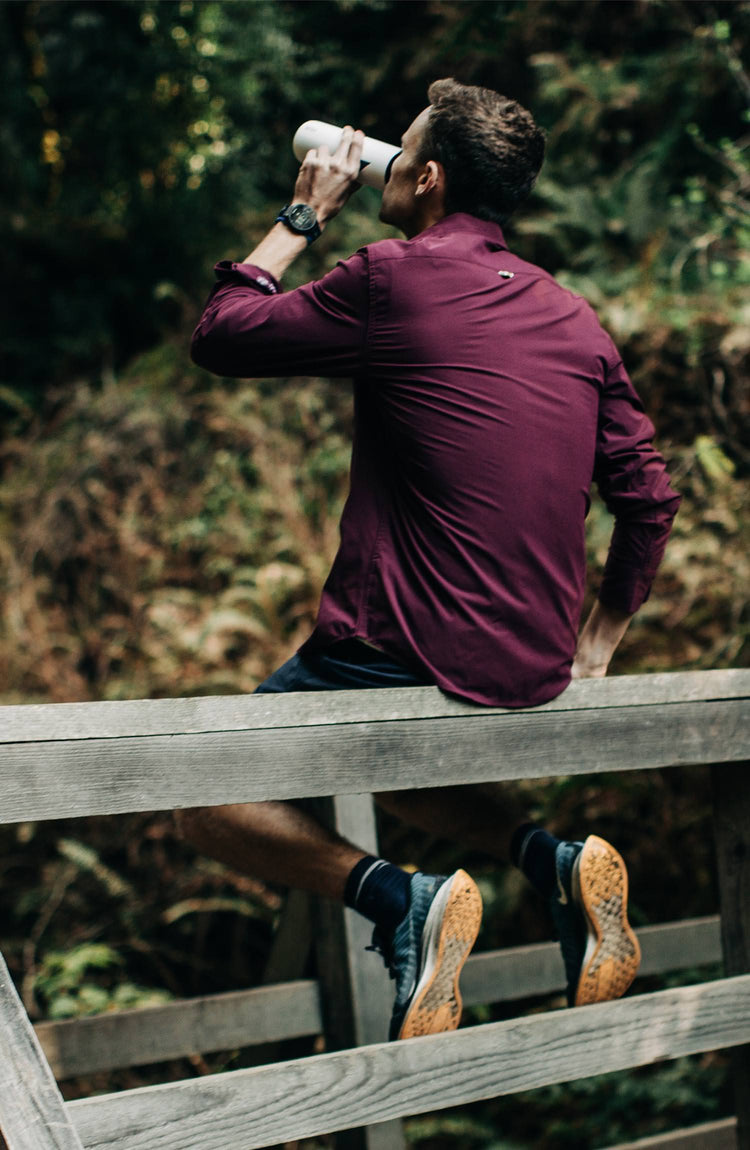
[380, 891]
[532, 850]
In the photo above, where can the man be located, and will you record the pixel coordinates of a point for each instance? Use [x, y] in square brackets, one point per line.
[486, 400]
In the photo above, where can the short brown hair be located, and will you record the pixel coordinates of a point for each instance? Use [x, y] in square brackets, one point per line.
[490, 147]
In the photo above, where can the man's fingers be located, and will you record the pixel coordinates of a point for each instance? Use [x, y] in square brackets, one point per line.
[317, 158]
[346, 157]
[355, 148]
[326, 181]
[342, 152]
[349, 151]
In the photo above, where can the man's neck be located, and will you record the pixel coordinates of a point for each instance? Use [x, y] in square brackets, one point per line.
[426, 220]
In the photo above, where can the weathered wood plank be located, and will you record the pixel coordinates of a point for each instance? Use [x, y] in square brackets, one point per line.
[721, 1135]
[679, 945]
[109, 776]
[731, 793]
[177, 1029]
[32, 1114]
[371, 988]
[37, 722]
[356, 992]
[292, 1009]
[249, 1109]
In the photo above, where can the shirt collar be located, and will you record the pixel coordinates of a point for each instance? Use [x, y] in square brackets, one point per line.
[462, 222]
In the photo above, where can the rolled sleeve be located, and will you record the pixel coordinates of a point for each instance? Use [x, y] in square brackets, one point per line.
[633, 481]
[226, 271]
[250, 328]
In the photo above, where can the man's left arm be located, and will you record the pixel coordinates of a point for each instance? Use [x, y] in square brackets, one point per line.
[633, 481]
[599, 638]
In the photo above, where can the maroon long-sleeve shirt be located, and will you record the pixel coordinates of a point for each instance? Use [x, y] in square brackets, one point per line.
[487, 399]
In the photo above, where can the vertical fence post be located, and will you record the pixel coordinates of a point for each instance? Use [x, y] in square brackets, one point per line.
[32, 1114]
[356, 992]
[731, 797]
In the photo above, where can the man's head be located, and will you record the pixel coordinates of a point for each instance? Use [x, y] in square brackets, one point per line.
[472, 150]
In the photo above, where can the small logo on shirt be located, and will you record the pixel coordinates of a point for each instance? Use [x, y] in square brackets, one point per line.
[506, 275]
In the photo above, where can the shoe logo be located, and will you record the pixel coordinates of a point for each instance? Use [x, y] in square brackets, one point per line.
[562, 897]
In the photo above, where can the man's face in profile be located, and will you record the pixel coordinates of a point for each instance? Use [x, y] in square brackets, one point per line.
[399, 203]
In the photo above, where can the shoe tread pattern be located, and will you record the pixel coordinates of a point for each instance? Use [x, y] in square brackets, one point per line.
[613, 954]
[436, 1006]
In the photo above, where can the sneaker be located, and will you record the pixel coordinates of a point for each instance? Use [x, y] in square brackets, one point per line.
[600, 951]
[427, 952]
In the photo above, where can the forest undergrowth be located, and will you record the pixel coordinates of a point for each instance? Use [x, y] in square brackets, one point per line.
[166, 533]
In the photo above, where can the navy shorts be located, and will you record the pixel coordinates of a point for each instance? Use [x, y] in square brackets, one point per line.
[348, 665]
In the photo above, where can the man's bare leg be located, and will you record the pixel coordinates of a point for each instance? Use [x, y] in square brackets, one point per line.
[273, 841]
[278, 842]
[281, 843]
[480, 817]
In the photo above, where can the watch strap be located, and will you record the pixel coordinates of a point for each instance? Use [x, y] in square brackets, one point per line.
[310, 233]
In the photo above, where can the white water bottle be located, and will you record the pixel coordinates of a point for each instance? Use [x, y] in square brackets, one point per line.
[377, 156]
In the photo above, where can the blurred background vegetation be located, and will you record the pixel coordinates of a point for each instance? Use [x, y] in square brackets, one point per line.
[164, 532]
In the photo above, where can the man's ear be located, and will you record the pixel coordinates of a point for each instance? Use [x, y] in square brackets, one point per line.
[430, 178]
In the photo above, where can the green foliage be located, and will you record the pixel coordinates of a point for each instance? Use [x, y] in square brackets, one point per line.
[70, 983]
[166, 533]
[142, 138]
[128, 127]
[62, 979]
[171, 547]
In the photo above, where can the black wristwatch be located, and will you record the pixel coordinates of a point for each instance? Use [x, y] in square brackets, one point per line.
[300, 218]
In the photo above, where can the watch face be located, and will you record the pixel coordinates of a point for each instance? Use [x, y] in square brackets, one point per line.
[302, 216]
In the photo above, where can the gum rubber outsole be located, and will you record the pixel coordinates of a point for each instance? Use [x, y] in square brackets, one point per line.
[450, 931]
[612, 955]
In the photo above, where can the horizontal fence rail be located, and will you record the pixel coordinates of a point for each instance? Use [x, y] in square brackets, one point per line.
[72, 760]
[721, 1135]
[248, 1109]
[178, 1029]
[167, 754]
[292, 1010]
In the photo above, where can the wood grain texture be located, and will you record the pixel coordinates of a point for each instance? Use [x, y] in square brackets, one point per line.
[250, 1109]
[721, 1135]
[292, 1009]
[72, 778]
[371, 987]
[178, 1029]
[37, 722]
[32, 1114]
[352, 977]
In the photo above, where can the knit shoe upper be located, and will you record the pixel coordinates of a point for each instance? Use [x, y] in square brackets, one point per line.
[428, 951]
[589, 908]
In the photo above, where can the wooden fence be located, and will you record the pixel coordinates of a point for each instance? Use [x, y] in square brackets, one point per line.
[106, 758]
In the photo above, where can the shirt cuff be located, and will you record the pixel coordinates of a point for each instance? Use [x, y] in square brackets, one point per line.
[625, 589]
[248, 274]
